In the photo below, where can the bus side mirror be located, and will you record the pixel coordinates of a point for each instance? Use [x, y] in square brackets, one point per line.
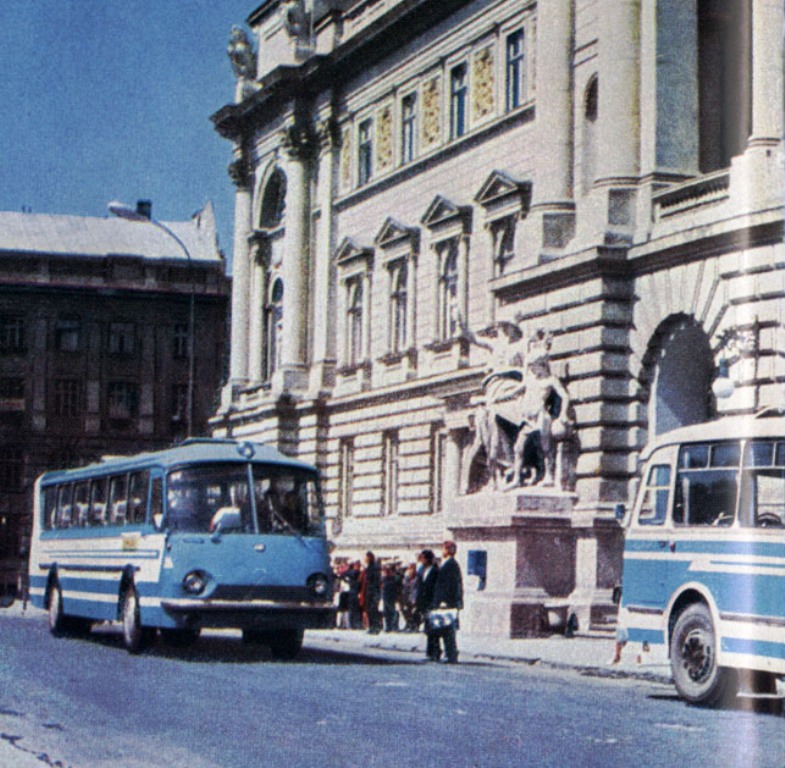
[620, 512]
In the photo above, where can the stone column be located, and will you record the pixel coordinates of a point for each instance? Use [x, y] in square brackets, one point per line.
[257, 301]
[767, 76]
[240, 272]
[324, 320]
[299, 146]
[618, 113]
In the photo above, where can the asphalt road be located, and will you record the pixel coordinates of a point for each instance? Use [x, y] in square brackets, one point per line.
[85, 703]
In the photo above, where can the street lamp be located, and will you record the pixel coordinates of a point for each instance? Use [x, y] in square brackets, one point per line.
[127, 212]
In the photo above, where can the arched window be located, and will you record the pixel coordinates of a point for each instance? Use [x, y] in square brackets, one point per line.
[449, 308]
[274, 200]
[274, 327]
[354, 322]
[589, 153]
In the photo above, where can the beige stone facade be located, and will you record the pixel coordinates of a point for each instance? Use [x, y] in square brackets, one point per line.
[409, 175]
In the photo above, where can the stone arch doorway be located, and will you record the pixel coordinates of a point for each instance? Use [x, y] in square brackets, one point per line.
[677, 374]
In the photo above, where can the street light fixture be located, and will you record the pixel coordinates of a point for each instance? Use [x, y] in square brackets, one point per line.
[127, 212]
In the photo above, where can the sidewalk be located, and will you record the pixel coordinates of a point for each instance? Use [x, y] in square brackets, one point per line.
[582, 653]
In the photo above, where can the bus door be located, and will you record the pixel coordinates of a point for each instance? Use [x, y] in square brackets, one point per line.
[649, 544]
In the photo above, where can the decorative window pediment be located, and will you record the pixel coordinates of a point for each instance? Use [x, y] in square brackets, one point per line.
[394, 235]
[350, 253]
[500, 191]
[443, 212]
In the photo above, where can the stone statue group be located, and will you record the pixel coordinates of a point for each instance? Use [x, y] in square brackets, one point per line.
[523, 411]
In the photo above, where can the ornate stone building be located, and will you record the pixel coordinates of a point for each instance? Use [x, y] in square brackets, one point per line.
[94, 348]
[455, 219]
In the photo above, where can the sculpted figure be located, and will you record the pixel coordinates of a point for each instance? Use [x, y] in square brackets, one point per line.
[295, 18]
[241, 54]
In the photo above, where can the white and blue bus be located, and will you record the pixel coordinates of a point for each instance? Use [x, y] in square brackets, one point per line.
[213, 533]
[704, 557]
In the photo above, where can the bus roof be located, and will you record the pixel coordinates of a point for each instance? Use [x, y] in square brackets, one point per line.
[768, 422]
[193, 450]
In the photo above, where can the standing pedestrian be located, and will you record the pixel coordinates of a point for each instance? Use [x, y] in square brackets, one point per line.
[370, 588]
[448, 593]
[390, 589]
[427, 583]
[409, 611]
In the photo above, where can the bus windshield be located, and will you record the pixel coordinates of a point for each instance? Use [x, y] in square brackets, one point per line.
[210, 498]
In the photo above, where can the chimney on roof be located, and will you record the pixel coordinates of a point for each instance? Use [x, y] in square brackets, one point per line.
[145, 208]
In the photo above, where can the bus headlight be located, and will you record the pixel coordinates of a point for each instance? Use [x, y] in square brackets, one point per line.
[195, 582]
[319, 584]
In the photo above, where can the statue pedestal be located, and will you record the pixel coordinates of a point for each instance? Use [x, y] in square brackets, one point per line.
[545, 562]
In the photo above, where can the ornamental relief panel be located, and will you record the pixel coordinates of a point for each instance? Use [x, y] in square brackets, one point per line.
[483, 84]
[384, 138]
[431, 118]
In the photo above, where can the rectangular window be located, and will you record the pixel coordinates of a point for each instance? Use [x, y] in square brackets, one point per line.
[81, 503]
[138, 485]
[123, 400]
[97, 514]
[66, 397]
[449, 310]
[12, 393]
[179, 402]
[346, 477]
[364, 152]
[398, 341]
[121, 338]
[180, 349]
[516, 72]
[11, 470]
[390, 473]
[12, 334]
[64, 511]
[409, 128]
[654, 507]
[67, 333]
[707, 485]
[118, 500]
[458, 96]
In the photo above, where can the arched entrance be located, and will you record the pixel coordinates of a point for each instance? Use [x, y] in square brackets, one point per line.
[678, 371]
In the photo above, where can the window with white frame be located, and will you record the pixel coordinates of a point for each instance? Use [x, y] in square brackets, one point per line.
[459, 90]
[354, 321]
[399, 301]
[409, 128]
[516, 70]
[448, 301]
[364, 152]
[390, 457]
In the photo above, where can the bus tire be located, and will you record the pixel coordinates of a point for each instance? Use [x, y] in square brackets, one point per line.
[693, 658]
[179, 638]
[287, 644]
[136, 638]
[57, 619]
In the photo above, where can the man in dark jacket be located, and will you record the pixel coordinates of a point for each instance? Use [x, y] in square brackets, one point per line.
[370, 591]
[448, 593]
[428, 575]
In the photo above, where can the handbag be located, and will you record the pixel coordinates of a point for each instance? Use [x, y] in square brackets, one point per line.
[442, 618]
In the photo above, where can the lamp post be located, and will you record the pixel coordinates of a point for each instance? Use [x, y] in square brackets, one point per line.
[127, 212]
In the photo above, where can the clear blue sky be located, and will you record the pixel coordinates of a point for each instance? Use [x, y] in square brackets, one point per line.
[111, 99]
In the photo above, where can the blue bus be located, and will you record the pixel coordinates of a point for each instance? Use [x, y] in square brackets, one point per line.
[704, 558]
[213, 533]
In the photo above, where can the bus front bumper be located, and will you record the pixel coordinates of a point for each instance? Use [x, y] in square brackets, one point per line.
[250, 614]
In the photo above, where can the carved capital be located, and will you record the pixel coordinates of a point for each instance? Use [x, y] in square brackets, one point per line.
[329, 134]
[300, 141]
[240, 173]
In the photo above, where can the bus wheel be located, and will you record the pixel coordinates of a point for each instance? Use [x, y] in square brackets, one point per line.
[179, 638]
[286, 645]
[693, 658]
[57, 619]
[135, 637]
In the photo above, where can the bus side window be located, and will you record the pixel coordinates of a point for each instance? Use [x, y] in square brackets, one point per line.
[81, 504]
[97, 515]
[49, 516]
[157, 502]
[137, 496]
[63, 517]
[118, 501]
[654, 507]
